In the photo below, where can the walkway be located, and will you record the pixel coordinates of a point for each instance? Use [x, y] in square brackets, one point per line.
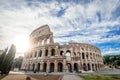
[71, 77]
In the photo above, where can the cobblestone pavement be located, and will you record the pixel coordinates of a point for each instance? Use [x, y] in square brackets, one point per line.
[71, 77]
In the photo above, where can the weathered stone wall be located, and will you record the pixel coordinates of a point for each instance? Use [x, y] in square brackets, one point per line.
[47, 56]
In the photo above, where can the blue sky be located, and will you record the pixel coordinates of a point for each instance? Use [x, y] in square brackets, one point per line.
[96, 22]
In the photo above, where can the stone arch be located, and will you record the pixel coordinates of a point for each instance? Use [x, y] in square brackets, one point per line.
[38, 67]
[90, 55]
[93, 67]
[53, 52]
[88, 65]
[75, 67]
[33, 67]
[28, 67]
[46, 52]
[96, 67]
[35, 55]
[40, 53]
[69, 66]
[84, 67]
[83, 55]
[44, 67]
[60, 67]
[68, 53]
[87, 56]
[51, 67]
[61, 53]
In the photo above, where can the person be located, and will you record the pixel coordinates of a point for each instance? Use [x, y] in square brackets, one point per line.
[28, 78]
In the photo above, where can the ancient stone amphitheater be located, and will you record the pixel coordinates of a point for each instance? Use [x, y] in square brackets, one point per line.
[46, 56]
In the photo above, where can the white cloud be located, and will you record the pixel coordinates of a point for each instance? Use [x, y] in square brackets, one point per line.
[17, 17]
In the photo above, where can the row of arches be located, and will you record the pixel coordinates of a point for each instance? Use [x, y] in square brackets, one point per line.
[60, 68]
[83, 55]
[40, 53]
[51, 67]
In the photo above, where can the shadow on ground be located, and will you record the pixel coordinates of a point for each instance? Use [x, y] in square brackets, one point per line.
[47, 77]
[2, 76]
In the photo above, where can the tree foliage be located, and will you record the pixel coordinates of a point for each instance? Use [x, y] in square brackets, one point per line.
[113, 60]
[7, 59]
[17, 62]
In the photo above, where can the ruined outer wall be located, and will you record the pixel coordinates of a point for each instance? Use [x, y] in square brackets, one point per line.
[46, 56]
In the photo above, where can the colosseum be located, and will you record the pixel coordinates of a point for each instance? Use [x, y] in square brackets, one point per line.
[46, 56]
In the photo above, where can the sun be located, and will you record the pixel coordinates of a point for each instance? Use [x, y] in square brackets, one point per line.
[22, 43]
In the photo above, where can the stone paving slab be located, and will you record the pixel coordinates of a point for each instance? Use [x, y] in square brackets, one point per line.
[71, 77]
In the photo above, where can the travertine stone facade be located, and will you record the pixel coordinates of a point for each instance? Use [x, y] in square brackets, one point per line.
[46, 56]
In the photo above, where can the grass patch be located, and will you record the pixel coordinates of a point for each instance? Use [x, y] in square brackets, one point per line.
[97, 77]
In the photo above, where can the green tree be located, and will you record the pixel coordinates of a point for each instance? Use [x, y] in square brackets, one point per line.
[2, 58]
[7, 63]
[17, 62]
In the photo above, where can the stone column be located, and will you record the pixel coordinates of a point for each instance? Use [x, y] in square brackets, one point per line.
[91, 67]
[56, 66]
[45, 41]
[35, 66]
[78, 66]
[72, 65]
[43, 53]
[41, 67]
[64, 66]
[49, 51]
[48, 66]
[56, 51]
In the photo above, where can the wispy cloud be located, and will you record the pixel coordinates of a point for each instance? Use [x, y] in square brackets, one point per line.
[88, 21]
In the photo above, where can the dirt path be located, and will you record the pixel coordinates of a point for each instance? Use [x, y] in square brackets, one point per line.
[71, 77]
[33, 77]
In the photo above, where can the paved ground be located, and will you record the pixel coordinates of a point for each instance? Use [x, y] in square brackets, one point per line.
[16, 77]
[71, 77]
[64, 76]
[32, 77]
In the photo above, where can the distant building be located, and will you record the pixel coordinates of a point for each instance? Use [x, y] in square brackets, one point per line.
[46, 56]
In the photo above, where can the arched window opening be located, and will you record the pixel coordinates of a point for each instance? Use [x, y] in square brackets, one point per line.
[90, 55]
[87, 55]
[84, 67]
[93, 67]
[35, 53]
[44, 67]
[53, 52]
[82, 48]
[69, 67]
[33, 66]
[60, 67]
[38, 67]
[76, 67]
[83, 56]
[51, 67]
[46, 52]
[28, 67]
[61, 53]
[40, 53]
[48, 41]
[42, 42]
[88, 66]
[68, 53]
